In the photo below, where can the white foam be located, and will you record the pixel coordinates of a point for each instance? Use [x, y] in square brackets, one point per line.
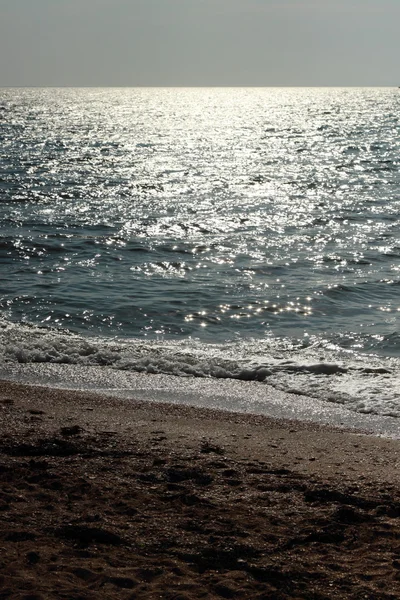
[361, 383]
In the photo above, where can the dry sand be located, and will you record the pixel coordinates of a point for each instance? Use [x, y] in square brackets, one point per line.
[103, 498]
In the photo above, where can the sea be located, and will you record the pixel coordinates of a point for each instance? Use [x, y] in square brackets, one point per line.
[236, 248]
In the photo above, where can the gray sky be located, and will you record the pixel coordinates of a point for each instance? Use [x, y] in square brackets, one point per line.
[199, 42]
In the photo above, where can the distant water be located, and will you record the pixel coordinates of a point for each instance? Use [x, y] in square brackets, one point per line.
[237, 233]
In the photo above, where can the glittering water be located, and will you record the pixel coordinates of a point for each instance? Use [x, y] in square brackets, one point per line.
[267, 219]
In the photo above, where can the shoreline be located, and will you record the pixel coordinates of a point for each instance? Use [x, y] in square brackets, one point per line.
[112, 498]
[228, 395]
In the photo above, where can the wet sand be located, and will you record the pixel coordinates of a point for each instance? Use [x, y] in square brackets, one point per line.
[105, 498]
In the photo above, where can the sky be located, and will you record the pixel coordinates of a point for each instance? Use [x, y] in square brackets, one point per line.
[199, 42]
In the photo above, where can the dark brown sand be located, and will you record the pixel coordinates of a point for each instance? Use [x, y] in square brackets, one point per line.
[101, 498]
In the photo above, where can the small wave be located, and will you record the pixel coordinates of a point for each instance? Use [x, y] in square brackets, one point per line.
[360, 383]
[338, 289]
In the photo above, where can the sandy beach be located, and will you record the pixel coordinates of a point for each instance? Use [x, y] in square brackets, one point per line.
[105, 498]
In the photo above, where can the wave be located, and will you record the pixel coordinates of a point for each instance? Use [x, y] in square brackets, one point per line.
[318, 369]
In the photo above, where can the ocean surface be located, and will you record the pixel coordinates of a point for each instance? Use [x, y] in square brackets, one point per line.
[246, 233]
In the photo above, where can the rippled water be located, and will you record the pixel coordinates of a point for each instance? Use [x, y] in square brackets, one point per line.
[266, 218]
